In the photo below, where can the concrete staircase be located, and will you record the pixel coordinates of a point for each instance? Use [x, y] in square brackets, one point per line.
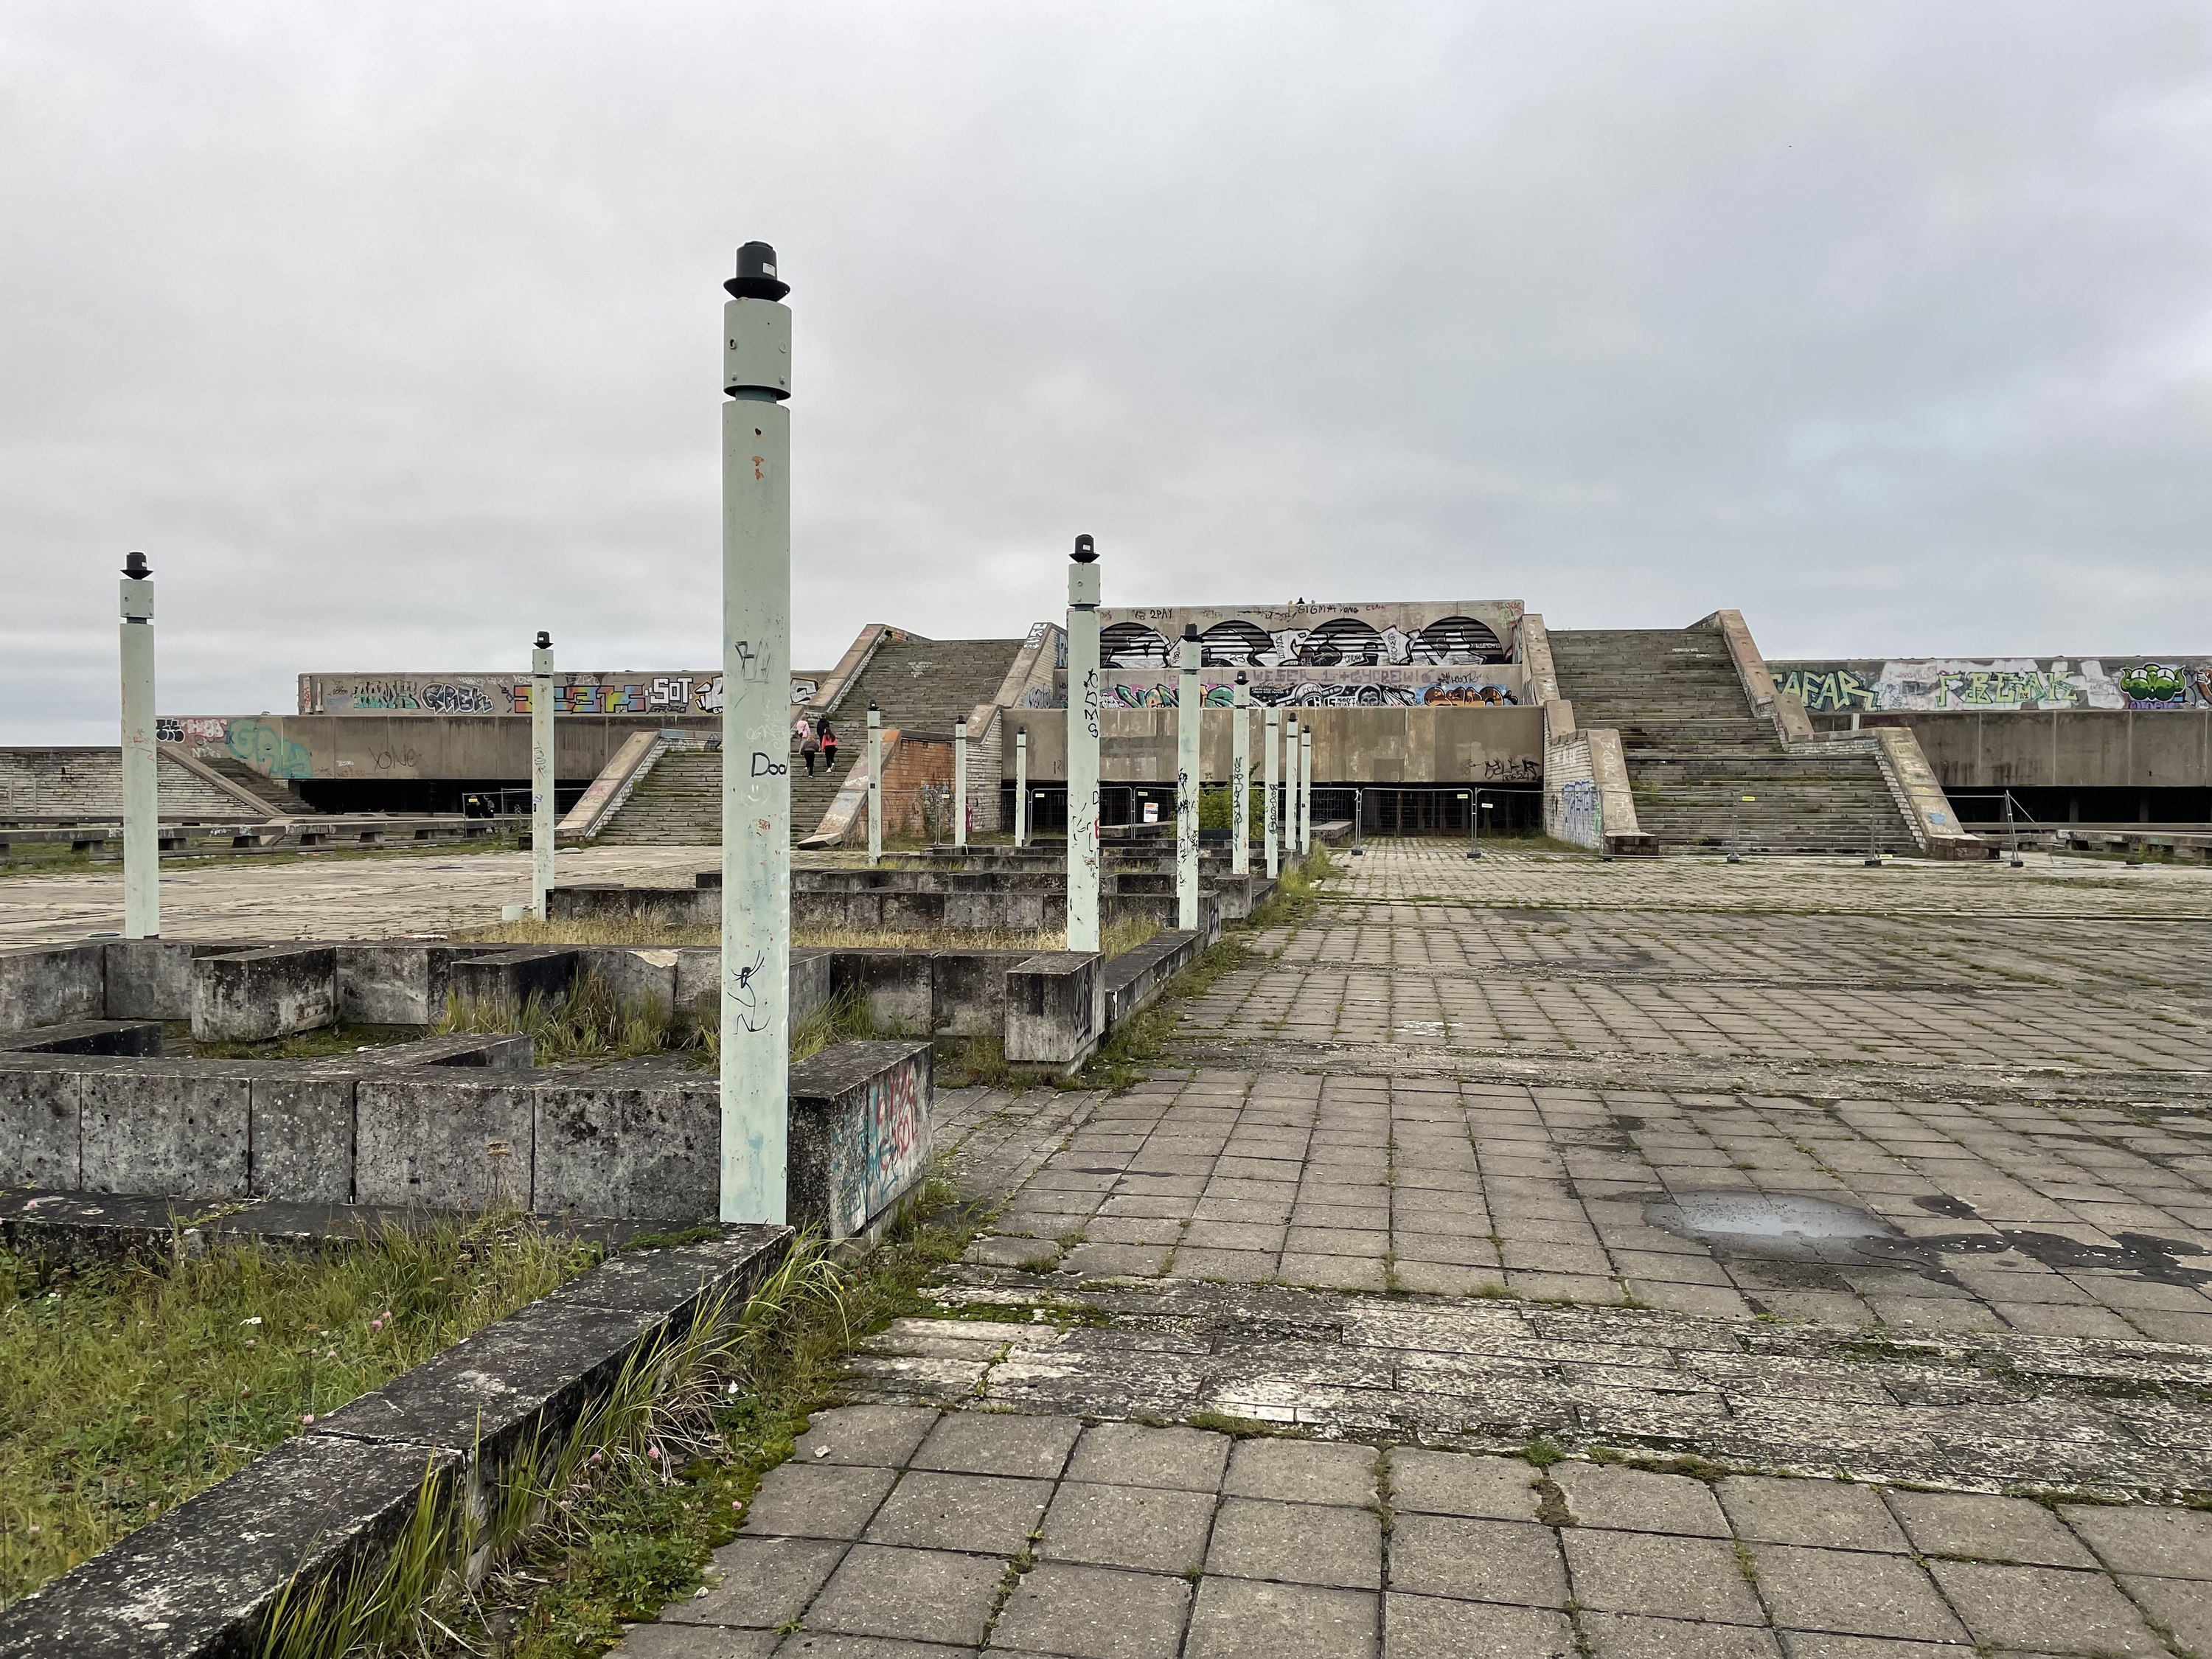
[921, 686]
[1695, 748]
[87, 783]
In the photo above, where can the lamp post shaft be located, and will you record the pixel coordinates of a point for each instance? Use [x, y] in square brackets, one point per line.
[1022, 788]
[1083, 591]
[142, 807]
[1270, 762]
[1190, 709]
[875, 785]
[1240, 778]
[756, 740]
[542, 826]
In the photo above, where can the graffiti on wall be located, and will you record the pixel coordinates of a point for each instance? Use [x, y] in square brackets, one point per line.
[1948, 684]
[1294, 688]
[881, 1145]
[697, 693]
[195, 729]
[1458, 631]
[268, 750]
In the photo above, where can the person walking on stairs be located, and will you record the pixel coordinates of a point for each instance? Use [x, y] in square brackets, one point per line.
[828, 737]
[803, 730]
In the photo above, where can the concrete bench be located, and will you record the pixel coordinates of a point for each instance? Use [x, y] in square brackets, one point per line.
[859, 1135]
[1136, 977]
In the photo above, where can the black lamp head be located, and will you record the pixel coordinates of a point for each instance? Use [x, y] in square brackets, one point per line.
[1085, 552]
[135, 568]
[545, 641]
[872, 706]
[757, 278]
[1243, 678]
[1190, 630]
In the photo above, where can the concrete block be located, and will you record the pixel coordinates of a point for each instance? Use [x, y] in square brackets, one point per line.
[897, 986]
[39, 1128]
[400, 984]
[180, 1129]
[634, 1152]
[47, 984]
[860, 1133]
[667, 906]
[152, 978]
[508, 979]
[635, 976]
[698, 972]
[1136, 977]
[1051, 1008]
[141, 1038]
[251, 996]
[429, 1139]
[300, 1146]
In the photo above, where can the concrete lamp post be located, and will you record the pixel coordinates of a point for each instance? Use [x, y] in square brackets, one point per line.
[755, 747]
[142, 804]
[1291, 786]
[540, 777]
[1022, 788]
[960, 782]
[1083, 587]
[1305, 790]
[1734, 857]
[1240, 774]
[1270, 764]
[875, 785]
[1190, 708]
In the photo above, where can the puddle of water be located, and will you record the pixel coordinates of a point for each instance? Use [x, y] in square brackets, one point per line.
[1752, 1218]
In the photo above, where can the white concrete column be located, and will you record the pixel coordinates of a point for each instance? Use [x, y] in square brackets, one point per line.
[875, 785]
[1082, 589]
[1271, 763]
[142, 795]
[1190, 707]
[542, 824]
[1022, 788]
[960, 781]
[1240, 779]
[1305, 790]
[756, 738]
[1291, 787]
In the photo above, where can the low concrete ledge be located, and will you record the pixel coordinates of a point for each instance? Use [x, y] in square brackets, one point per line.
[196, 1583]
[508, 979]
[859, 1134]
[1136, 977]
[47, 985]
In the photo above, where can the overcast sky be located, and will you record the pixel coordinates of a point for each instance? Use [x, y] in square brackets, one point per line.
[390, 332]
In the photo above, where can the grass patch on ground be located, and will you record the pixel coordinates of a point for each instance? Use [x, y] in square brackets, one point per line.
[325, 1042]
[125, 1388]
[633, 1531]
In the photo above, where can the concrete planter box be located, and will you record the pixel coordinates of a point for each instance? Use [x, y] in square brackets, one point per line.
[859, 1134]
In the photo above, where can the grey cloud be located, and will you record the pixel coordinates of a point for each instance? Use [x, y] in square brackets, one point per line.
[391, 332]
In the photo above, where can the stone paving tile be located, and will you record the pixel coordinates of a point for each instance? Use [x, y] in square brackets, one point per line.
[1431, 1627]
[1246, 1618]
[1695, 1578]
[923, 1595]
[1302, 1471]
[1478, 1561]
[1987, 1528]
[1143, 1529]
[1088, 1613]
[2046, 1607]
[1851, 1594]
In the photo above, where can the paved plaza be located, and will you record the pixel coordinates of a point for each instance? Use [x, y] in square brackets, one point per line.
[1538, 1257]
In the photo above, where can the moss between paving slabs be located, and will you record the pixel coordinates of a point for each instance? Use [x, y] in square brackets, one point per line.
[125, 1388]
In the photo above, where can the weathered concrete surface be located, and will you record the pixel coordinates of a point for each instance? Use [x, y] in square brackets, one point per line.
[1053, 1004]
[511, 977]
[48, 986]
[425, 1140]
[179, 1127]
[252, 996]
[859, 1134]
[609, 1151]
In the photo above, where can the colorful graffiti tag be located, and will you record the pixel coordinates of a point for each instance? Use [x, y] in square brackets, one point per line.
[699, 693]
[870, 1171]
[268, 750]
[1292, 692]
[1941, 685]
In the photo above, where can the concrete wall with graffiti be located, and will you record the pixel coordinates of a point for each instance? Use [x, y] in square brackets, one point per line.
[697, 692]
[1945, 685]
[1496, 687]
[357, 746]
